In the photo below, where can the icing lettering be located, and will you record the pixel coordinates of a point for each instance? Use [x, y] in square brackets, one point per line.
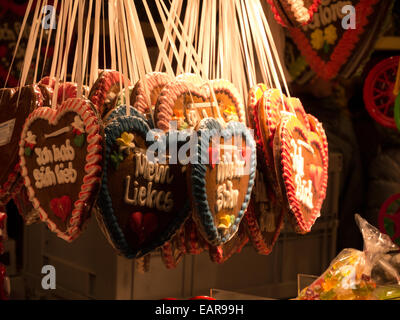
[159, 173]
[303, 187]
[63, 171]
[328, 13]
[145, 196]
[227, 197]
[230, 169]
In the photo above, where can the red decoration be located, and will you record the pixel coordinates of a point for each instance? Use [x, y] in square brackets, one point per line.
[345, 47]
[378, 92]
[61, 207]
[143, 225]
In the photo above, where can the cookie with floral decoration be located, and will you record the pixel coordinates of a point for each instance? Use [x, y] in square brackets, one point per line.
[222, 179]
[142, 199]
[302, 166]
[61, 163]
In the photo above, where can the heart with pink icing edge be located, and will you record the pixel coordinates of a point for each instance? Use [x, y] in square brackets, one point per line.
[302, 168]
[61, 166]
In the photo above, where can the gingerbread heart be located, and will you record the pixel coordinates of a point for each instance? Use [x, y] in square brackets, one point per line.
[121, 110]
[302, 165]
[105, 90]
[221, 193]
[267, 114]
[229, 100]
[61, 162]
[264, 216]
[146, 91]
[179, 101]
[15, 106]
[138, 191]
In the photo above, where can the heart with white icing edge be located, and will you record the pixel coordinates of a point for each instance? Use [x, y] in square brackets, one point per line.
[63, 167]
[221, 193]
[302, 165]
[139, 192]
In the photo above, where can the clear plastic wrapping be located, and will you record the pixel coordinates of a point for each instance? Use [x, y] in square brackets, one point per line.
[371, 274]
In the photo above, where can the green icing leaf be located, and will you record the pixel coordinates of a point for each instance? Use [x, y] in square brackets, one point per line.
[79, 140]
[28, 151]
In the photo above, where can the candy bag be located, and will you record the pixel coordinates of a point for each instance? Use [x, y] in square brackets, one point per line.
[360, 275]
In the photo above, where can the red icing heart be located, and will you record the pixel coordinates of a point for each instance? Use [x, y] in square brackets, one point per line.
[143, 225]
[61, 207]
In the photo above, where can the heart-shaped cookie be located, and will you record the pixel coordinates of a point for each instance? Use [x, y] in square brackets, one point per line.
[267, 114]
[302, 166]
[221, 191]
[142, 200]
[179, 101]
[146, 91]
[61, 162]
[229, 100]
[105, 90]
[15, 106]
[336, 43]
[121, 111]
[264, 217]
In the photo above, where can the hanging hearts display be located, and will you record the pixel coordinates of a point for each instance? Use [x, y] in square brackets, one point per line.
[62, 176]
[302, 167]
[143, 201]
[221, 193]
[338, 39]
